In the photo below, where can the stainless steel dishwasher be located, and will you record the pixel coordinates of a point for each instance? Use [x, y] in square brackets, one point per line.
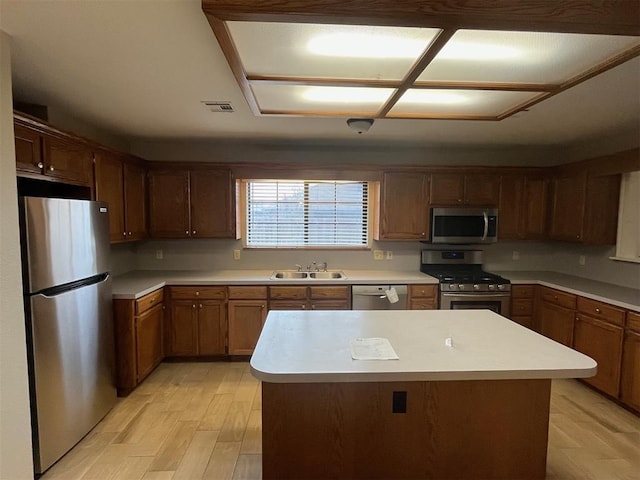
[374, 297]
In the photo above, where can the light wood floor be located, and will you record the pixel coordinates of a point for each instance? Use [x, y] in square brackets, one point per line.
[202, 421]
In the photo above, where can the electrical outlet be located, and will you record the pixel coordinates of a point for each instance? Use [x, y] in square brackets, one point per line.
[516, 255]
[389, 255]
[582, 260]
[236, 254]
[159, 254]
[378, 255]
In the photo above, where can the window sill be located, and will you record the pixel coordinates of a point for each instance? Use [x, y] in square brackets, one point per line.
[625, 259]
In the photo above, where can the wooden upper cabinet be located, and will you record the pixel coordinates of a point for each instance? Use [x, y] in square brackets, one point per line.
[448, 189]
[212, 204]
[169, 204]
[135, 201]
[536, 207]
[585, 209]
[109, 188]
[28, 150]
[192, 203]
[510, 219]
[404, 206]
[568, 207]
[67, 160]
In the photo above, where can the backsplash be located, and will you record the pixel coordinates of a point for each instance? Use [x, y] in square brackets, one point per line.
[218, 255]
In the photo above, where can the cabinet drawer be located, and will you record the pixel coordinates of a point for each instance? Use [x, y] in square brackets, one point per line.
[428, 291]
[213, 293]
[423, 303]
[602, 311]
[522, 291]
[521, 306]
[557, 297]
[633, 321]
[249, 292]
[320, 293]
[294, 293]
[148, 301]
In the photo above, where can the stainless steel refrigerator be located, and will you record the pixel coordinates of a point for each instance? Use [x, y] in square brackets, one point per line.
[65, 254]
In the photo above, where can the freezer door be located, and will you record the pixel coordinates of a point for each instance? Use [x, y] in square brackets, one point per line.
[72, 358]
[63, 240]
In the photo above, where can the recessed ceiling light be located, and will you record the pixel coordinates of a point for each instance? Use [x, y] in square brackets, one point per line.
[364, 45]
[433, 97]
[346, 94]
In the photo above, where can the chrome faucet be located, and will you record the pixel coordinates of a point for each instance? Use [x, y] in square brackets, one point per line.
[325, 265]
[299, 267]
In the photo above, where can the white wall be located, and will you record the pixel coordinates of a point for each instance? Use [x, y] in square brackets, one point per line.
[15, 430]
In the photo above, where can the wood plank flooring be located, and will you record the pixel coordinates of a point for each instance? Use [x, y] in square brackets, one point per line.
[203, 421]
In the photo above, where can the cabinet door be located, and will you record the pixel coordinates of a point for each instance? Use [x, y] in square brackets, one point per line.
[482, 190]
[404, 207]
[212, 331]
[568, 208]
[329, 305]
[212, 204]
[149, 340]
[447, 189]
[630, 384]
[110, 189]
[556, 323]
[135, 201]
[601, 211]
[510, 224]
[246, 318]
[169, 204]
[67, 160]
[601, 341]
[536, 208]
[28, 150]
[183, 328]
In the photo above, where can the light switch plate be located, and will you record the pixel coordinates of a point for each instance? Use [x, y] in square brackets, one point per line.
[378, 255]
[159, 254]
[236, 254]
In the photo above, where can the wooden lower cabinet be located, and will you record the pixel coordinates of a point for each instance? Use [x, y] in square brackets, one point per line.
[310, 298]
[630, 373]
[555, 312]
[247, 309]
[522, 297]
[197, 325]
[139, 331]
[422, 297]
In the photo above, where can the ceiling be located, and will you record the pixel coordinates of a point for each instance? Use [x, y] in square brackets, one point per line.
[142, 72]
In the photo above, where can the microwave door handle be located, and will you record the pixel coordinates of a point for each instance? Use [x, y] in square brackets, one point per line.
[486, 225]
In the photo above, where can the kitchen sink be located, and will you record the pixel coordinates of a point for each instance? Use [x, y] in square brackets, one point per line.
[293, 275]
[327, 275]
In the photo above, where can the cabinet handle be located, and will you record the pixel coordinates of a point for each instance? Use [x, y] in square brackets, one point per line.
[40, 165]
[124, 234]
[197, 293]
[193, 306]
[555, 297]
[313, 307]
[598, 310]
[51, 169]
[459, 200]
[200, 305]
[193, 233]
[304, 307]
[129, 233]
[187, 232]
[262, 306]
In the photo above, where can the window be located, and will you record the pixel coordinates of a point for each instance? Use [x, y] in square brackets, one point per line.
[305, 213]
[628, 243]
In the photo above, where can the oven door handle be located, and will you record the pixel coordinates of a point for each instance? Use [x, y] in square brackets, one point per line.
[486, 225]
[473, 296]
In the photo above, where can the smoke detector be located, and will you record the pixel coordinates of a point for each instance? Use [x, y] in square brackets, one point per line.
[217, 106]
[360, 125]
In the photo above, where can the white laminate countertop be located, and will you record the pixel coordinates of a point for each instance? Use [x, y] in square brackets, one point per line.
[313, 346]
[138, 283]
[605, 292]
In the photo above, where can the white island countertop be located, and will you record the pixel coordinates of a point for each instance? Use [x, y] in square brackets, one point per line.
[314, 346]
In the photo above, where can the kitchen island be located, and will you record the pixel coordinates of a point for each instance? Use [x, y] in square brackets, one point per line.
[467, 398]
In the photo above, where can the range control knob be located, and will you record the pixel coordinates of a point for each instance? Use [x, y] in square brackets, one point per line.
[476, 286]
[461, 286]
[500, 287]
[453, 286]
[492, 286]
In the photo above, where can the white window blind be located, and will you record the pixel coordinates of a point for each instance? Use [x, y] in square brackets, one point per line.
[305, 213]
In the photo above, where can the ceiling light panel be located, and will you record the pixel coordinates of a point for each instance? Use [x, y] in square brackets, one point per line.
[521, 57]
[328, 51]
[434, 102]
[355, 101]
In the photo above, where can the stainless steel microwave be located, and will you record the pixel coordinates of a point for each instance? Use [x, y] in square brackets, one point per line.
[464, 225]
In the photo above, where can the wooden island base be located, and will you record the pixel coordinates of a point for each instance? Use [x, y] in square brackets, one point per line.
[484, 429]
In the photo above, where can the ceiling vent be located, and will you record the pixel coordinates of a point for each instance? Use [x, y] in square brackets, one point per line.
[224, 107]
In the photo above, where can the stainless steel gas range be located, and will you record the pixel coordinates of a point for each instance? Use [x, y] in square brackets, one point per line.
[463, 282]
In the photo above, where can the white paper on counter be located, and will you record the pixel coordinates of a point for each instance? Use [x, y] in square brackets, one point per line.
[372, 349]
